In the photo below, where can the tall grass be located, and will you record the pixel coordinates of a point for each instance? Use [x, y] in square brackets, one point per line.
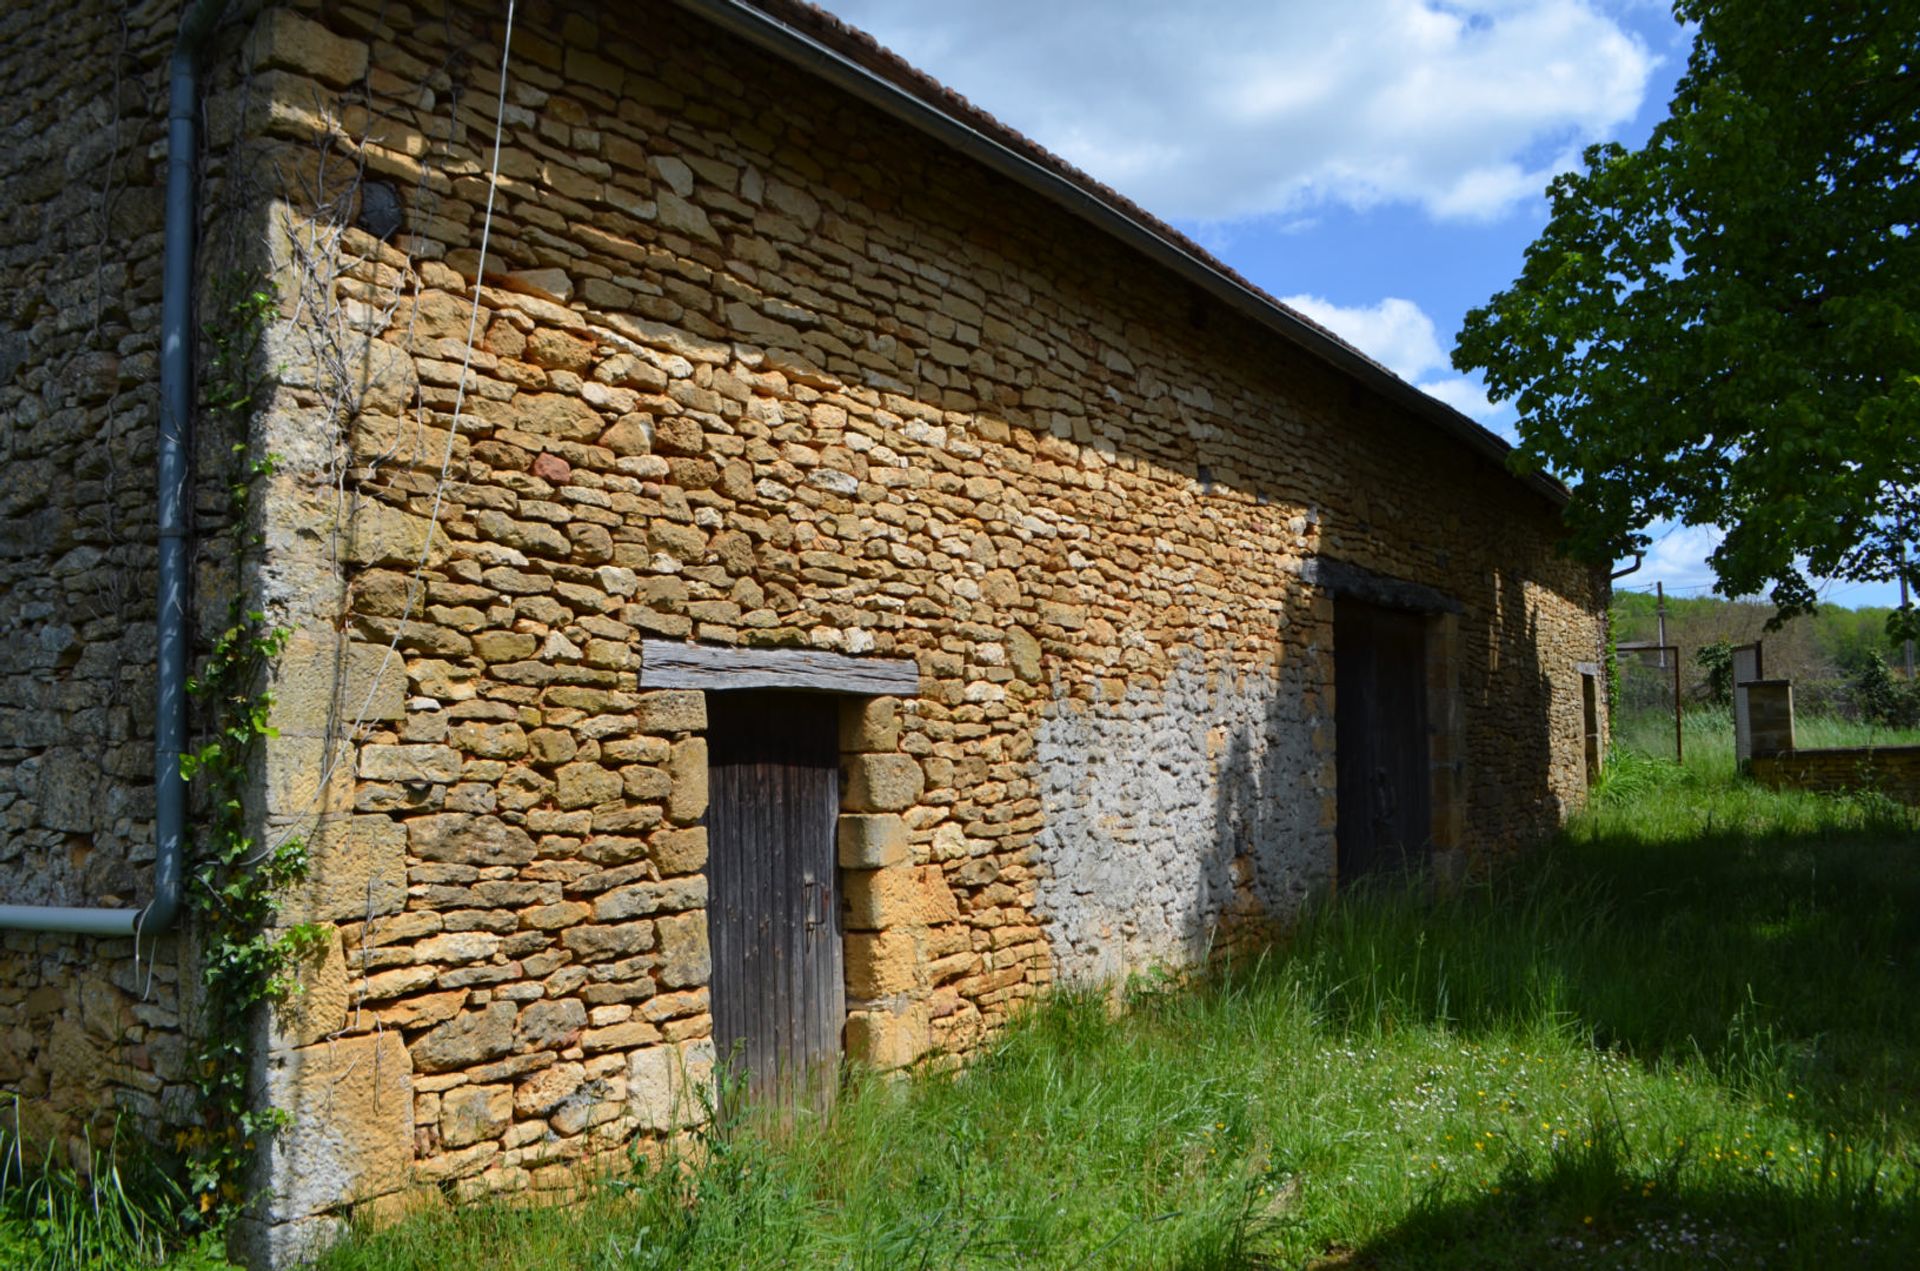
[1707, 735]
[117, 1212]
[1686, 1034]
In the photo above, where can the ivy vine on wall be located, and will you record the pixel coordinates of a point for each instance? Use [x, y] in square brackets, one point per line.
[234, 882]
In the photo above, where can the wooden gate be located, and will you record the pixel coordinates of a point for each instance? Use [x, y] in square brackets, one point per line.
[773, 912]
[1384, 799]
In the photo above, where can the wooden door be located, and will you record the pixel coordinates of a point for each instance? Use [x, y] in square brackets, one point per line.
[1384, 799]
[773, 910]
[1590, 724]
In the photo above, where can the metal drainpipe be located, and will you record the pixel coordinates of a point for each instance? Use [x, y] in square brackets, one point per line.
[176, 432]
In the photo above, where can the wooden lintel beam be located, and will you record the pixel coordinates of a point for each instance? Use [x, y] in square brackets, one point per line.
[672, 664]
[1343, 578]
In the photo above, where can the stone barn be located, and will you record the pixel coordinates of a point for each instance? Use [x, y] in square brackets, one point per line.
[756, 563]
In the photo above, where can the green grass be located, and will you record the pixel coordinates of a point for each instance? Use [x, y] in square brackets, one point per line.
[1707, 735]
[122, 1211]
[1687, 1034]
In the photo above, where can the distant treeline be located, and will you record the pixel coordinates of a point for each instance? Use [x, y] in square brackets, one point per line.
[1827, 654]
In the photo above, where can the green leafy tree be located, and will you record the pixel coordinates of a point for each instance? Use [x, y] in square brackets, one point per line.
[1723, 327]
[1882, 699]
[1716, 669]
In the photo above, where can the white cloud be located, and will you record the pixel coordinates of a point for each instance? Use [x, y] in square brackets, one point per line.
[1238, 108]
[1678, 558]
[1469, 398]
[1399, 335]
[1396, 333]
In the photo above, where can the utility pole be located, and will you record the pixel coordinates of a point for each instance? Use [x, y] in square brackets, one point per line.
[1660, 612]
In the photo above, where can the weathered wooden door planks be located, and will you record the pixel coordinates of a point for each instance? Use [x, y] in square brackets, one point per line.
[779, 997]
[1382, 763]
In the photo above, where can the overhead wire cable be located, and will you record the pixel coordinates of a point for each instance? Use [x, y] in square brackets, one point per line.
[417, 585]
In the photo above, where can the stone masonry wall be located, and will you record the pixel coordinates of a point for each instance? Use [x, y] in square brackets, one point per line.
[1892, 770]
[86, 1029]
[1171, 814]
[756, 367]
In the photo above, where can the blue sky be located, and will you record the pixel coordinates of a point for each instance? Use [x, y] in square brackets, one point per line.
[1378, 164]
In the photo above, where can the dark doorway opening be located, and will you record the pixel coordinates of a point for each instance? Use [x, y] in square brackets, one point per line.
[1590, 724]
[1383, 761]
[773, 908]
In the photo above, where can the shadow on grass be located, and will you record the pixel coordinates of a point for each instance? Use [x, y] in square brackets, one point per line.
[1777, 939]
[1589, 1207]
[1780, 957]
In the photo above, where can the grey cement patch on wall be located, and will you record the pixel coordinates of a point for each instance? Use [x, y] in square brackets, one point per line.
[1151, 801]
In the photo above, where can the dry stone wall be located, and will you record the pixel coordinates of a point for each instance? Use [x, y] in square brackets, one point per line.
[87, 1031]
[1893, 771]
[753, 366]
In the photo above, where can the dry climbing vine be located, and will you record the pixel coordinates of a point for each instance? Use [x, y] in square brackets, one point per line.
[234, 882]
[337, 301]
